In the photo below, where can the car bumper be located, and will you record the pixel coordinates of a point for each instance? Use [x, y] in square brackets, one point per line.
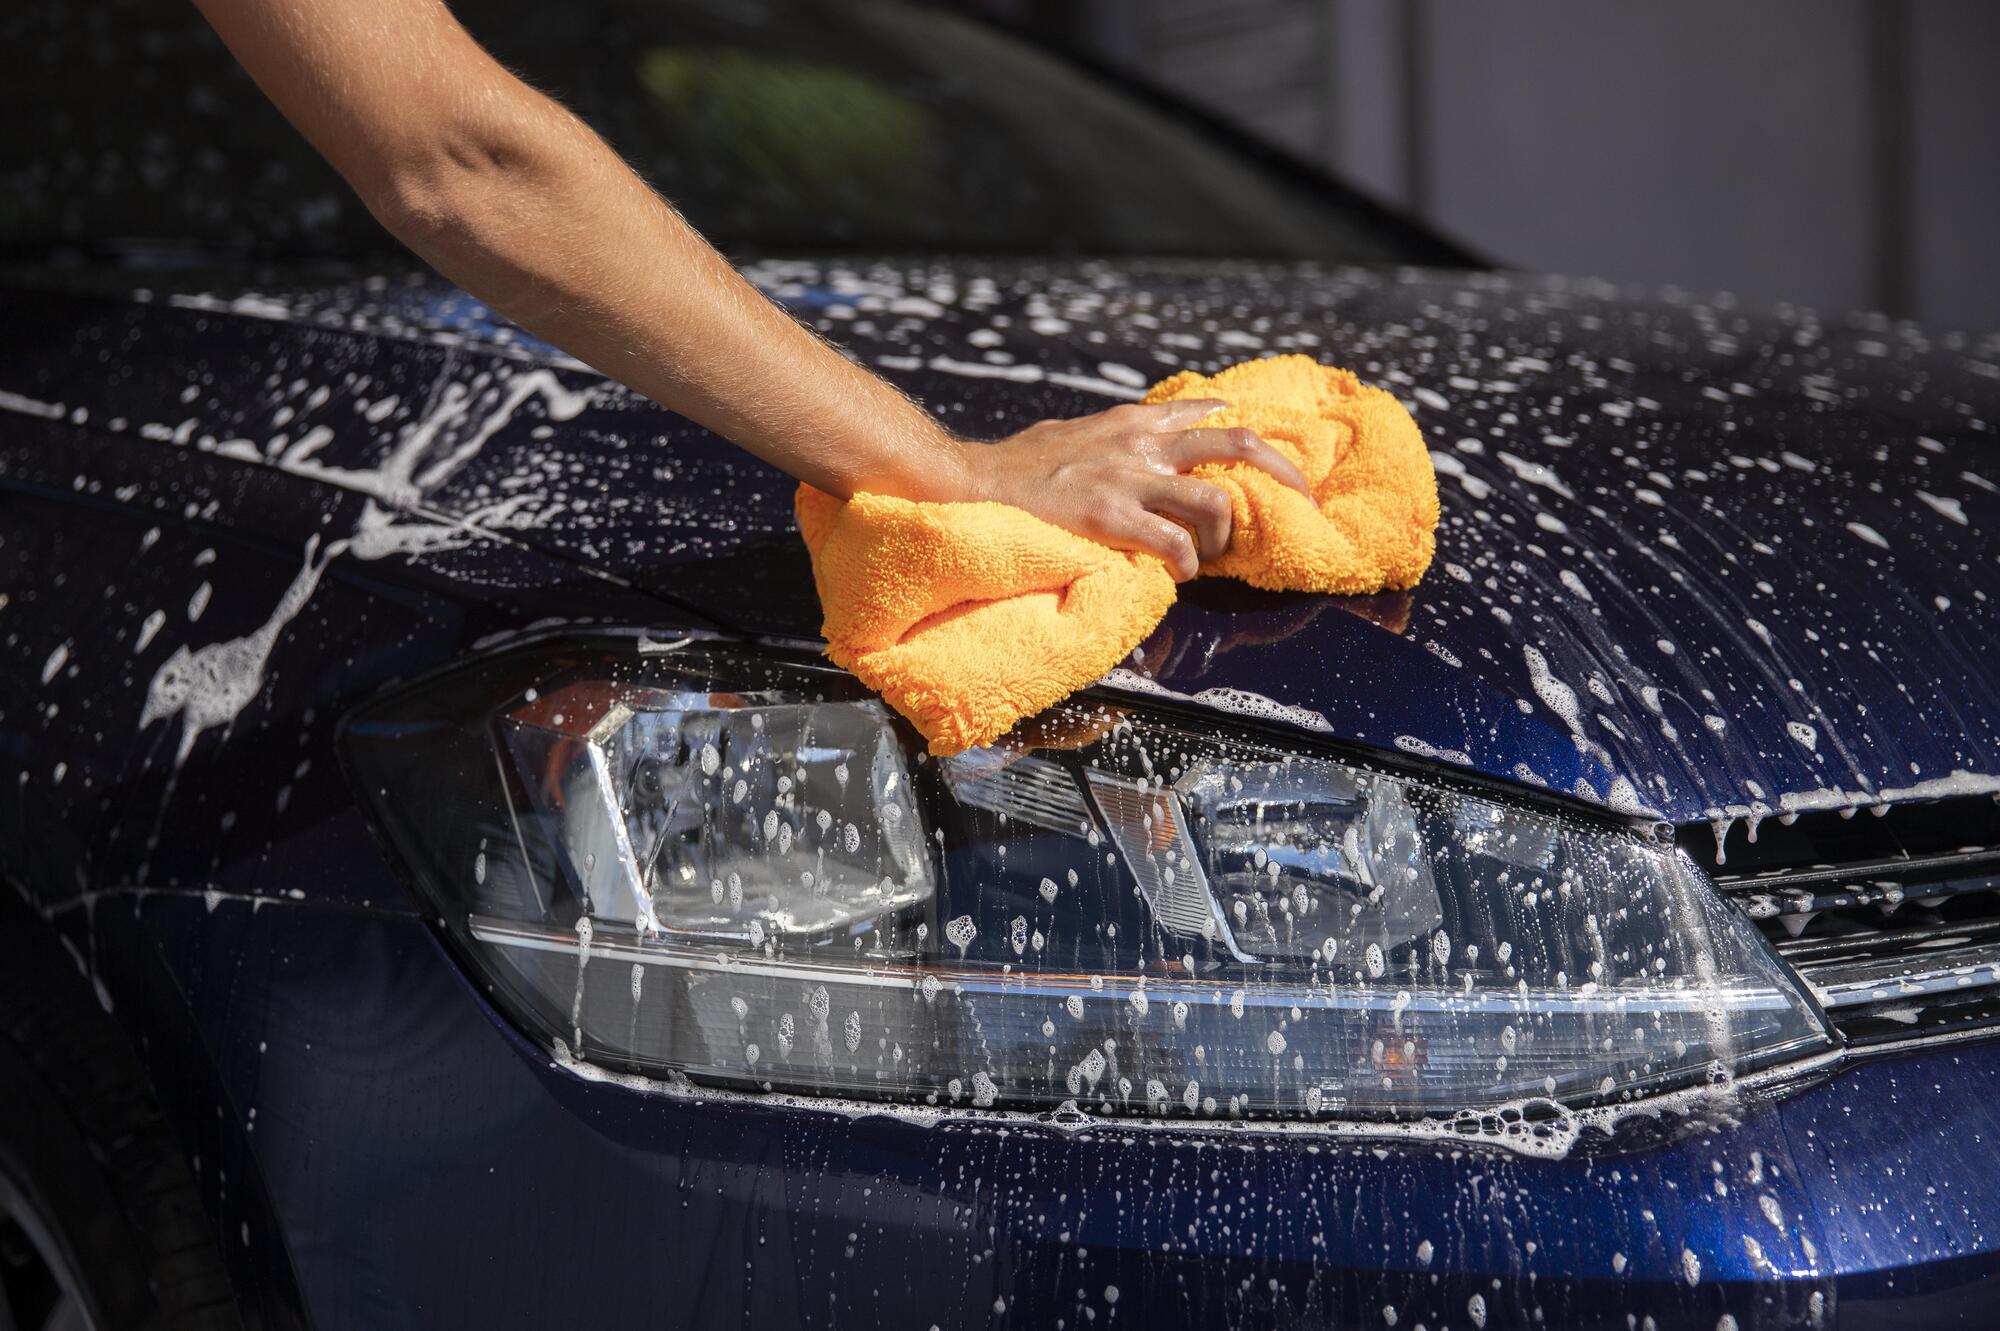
[385, 1151]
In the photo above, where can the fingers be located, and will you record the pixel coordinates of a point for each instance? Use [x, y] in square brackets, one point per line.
[1142, 530]
[1197, 505]
[1156, 417]
[1191, 448]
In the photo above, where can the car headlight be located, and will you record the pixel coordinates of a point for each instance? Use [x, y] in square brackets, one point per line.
[736, 865]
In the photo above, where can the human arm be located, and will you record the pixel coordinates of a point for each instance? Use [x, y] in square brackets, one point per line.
[518, 202]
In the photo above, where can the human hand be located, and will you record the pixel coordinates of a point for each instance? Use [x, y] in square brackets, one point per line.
[1119, 477]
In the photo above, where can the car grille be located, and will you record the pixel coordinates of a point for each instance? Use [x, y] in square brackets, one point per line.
[1891, 914]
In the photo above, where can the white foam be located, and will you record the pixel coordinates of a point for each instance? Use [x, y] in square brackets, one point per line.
[1557, 696]
[418, 461]
[1034, 374]
[1949, 508]
[1424, 749]
[1534, 473]
[1448, 464]
[1793, 803]
[1868, 534]
[1240, 701]
[28, 406]
[209, 687]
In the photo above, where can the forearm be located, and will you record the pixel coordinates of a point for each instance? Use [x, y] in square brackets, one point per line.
[527, 209]
[522, 205]
[518, 202]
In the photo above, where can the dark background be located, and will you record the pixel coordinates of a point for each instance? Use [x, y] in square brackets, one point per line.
[1842, 153]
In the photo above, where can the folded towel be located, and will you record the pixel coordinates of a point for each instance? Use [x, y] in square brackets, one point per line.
[969, 617]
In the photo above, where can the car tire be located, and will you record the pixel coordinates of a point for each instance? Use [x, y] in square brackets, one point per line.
[100, 1223]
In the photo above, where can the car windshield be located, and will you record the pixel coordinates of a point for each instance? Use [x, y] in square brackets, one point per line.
[775, 125]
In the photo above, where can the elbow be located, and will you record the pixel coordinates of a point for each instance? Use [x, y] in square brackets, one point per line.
[469, 181]
[430, 198]
[450, 184]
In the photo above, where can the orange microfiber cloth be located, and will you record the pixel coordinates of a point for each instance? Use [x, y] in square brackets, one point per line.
[969, 617]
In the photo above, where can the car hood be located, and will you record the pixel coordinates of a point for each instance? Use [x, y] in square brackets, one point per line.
[1695, 560]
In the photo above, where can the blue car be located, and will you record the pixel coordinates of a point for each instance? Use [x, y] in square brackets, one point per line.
[446, 887]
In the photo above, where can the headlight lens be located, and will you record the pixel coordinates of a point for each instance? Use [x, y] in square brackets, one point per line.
[737, 866]
[721, 817]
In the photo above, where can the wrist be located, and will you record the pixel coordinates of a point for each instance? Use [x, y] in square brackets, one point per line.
[939, 468]
[959, 472]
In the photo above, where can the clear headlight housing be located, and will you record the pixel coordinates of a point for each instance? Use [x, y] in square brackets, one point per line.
[736, 865]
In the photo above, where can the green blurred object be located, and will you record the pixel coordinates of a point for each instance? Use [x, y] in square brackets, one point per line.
[796, 130]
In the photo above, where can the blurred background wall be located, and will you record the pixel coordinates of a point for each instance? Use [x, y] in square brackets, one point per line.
[1843, 153]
